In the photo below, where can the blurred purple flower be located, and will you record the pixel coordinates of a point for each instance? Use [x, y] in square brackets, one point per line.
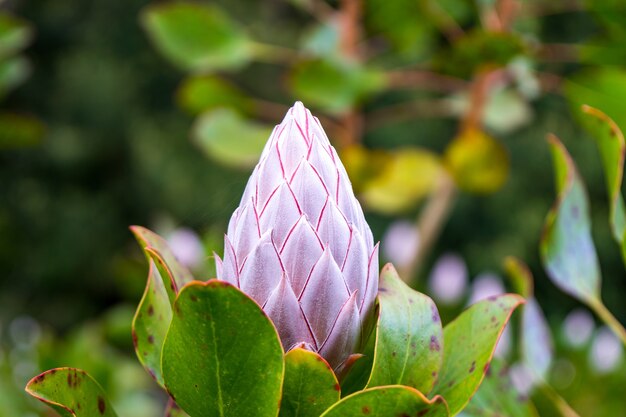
[578, 327]
[606, 351]
[448, 279]
[400, 243]
[299, 244]
[485, 285]
[187, 247]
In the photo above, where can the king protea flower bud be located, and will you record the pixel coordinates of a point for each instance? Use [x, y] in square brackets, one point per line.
[299, 245]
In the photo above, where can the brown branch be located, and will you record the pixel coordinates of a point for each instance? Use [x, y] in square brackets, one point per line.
[426, 80]
[407, 111]
[558, 52]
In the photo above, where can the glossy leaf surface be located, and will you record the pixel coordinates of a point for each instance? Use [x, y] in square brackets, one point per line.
[310, 385]
[222, 355]
[567, 248]
[468, 346]
[409, 342]
[388, 401]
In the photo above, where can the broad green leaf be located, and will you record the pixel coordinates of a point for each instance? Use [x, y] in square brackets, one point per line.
[610, 141]
[478, 162]
[468, 345]
[566, 246]
[407, 176]
[497, 397]
[310, 385]
[200, 93]
[196, 37]
[175, 274]
[222, 355]
[388, 401]
[13, 72]
[230, 139]
[15, 34]
[600, 87]
[333, 84]
[71, 393]
[409, 336]
[18, 131]
[150, 324]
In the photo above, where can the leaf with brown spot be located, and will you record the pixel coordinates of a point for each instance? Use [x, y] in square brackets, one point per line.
[408, 337]
[469, 343]
[386, 401]
[497, 397]
[71, 393]
[310, 385]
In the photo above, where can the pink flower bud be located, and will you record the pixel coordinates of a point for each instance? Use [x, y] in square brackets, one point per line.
[299, 245]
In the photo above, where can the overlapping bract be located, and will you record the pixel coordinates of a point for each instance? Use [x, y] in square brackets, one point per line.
[299, 243]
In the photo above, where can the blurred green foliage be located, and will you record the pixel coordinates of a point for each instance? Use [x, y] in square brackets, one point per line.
[154, 112]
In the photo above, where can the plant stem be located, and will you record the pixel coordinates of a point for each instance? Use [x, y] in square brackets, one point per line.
[607, 317]
[429, 225]
[564, 408]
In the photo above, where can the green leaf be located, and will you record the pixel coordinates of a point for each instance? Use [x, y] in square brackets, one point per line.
[222, 355]
[13, 72]
[71, 393]
[406, 176]
[520, 276]
[468, 345]
[15, 35]
[409, 336]
[200, 93]
[497, 397]
[359, 373]
[610, 141]
[335, 85]
[157, 249]
[603, 88]
[154, 313]
[196, 37]
[150, 324]
[19, 130]
[310, 385]
[566, 246]
[478, 162]
[388, 401]
[229, 138]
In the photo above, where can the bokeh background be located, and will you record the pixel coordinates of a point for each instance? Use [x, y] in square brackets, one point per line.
[124, 112]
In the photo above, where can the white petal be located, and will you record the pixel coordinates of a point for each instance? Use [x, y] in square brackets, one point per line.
[247, 232]
[218, 266]
[232, 223]
[230, 270]
[284, 310]
[334, 231]
[371, 288]
[356, 264]
[344, 335]
[320, 159]
[281, 214]
[261, 270]
[300, 252]
[323, 295]
[269, 177]
[293, 146]
[309, 190]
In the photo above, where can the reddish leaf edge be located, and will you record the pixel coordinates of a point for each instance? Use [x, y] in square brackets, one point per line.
[52, 371]
[520, 301]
